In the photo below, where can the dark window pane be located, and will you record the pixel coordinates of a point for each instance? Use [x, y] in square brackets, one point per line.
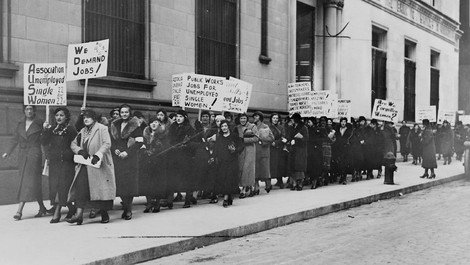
[379, 75]
[305, 43]
[410, 90]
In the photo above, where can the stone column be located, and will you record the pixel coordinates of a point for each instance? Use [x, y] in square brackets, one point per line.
[339, 48]
[330, 70]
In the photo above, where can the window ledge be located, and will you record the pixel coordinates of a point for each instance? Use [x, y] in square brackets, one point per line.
[8, 69]
[121, 82]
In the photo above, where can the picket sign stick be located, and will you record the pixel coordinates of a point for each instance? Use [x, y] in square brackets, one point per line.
[84, 93]
[47, 113]
[199, 114]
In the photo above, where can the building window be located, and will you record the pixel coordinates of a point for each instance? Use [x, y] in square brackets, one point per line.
[379, 64]
[305, 44]
[410, 80]
[435, 80]
[216, 30]
[123, 23]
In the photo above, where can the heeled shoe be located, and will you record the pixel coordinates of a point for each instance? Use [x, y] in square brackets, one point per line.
[78, 220]
[298, 188]
[128, 215]
[148, 208]
[55, 220]
[225, 204]
[433, 176]
[268, 189]
[156, 209]
[41, 213]
[17, 216]
[104, 217]
[52, 210]
[187, 204]
[424, 176]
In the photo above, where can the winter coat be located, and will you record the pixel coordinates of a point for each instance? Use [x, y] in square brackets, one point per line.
[404, 132]
[373, 148]
[276, 161]
[414, 141]
[227, 175]
[459, 139]
[316, 137]
[341, 149]
[447, 141]
[153, 178]
[389, 137]
[298, 158]
[247, 158]
[180, 158]
[101, 180]
[266, 137]
[429, 149]
[29, 159]
[204, 172]
[128, 140]
[61, 165]
[357, 148]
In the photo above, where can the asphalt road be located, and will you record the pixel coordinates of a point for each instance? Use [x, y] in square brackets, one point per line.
[426, 227]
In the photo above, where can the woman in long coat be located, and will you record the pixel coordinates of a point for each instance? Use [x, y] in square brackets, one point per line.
[414, 140]
[57, 140]
[357, 141]
[127, 138]
[181, 158]
[341, 149]
[447, 142]
[276, 153]
[93, 187]
[404, 148]
[27, 135]
[265, 137]
[154, 176]
[247, 158]
[429, 151]
[227, 147]
[316, 137]
[298, 140]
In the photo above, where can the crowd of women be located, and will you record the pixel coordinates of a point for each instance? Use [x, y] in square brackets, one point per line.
[218, 156]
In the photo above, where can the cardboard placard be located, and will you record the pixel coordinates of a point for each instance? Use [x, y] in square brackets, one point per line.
[45, 84]
[299, 98]
[344, 108]
[465, 119]
[237, 96]
[87, 60]
[425, 112]
[177, 83]
[384, 110]
[446, 115]
[324, 103]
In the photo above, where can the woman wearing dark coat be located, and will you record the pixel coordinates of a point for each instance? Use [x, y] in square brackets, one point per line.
[27, 135]
[404, 148]
[227, 147]
[298, 160]
[414, 140]
[341, 148]
[276, 151]
[153, 172]
[316, 137]
[93, 186]
[373, 149]
[57, 139]
[357, 141]
[127, 139]
[447, 142]
[180, 158]
[429, 150]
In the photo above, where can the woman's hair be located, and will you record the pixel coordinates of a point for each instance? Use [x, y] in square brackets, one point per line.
[343, 118]
[66, 113]
[165, 118]
[89, 113]
[221, 123]
[272, 115]
[127, 107]
[33, 106]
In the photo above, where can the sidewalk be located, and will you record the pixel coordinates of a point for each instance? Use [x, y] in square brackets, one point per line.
[153, 235]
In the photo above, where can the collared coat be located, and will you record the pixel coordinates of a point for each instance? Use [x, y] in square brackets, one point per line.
[29, 159]
[298, 158]
[276, 161]
[263, 144]
[247, 158]
[180, 165]
[101, 180]
[429, 149]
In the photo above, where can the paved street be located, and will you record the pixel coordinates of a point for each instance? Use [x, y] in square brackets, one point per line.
[426, 227]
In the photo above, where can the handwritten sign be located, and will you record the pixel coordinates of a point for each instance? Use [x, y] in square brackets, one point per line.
[425, 112]
[384, 110]
[465, 119]
[237, 95]
[446, 115]
[344, 108]
[44, 84]
[202, 91]
[87, 60]
[177, 83]
[324, 103]
[299, 98]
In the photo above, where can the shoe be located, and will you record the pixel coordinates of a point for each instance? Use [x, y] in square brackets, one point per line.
[242, 196]
[214, 200]
[156, 209]
[148, 208]
[178, 197]
[424, 176]
[314, 184]
[268, 189]
[445, 162]
[187, 204]
[433, 176]
[123, 215]
[17, 216]
[225, 204]
[298, 188]
[78, 220]
[92, 214]
[292, 187]
[128, 215]
[51, 211]
[71, 213]
[41, 213]
[104, 217]
[55, 220]
[256, 192]
[230, 200]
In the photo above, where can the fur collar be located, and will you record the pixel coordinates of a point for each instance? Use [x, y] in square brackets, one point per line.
[126, 132]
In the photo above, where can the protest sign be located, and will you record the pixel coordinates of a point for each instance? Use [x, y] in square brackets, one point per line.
[87, 60]
[465, 119]
[446, 115]
[333, 109]
[299, 98]
[177, 83]
[384, 110]
[324, 103]
[44, 84]
[202, 92]
[344, 108]
[237, 96]
[425, 112]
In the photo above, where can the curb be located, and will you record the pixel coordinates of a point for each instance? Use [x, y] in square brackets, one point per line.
[224, 235]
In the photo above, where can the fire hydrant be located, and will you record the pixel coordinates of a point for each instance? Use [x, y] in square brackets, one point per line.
[390, 167]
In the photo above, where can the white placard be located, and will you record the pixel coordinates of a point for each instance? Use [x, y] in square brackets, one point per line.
[44, 84]
[177, 83]
[202, 92]
[87, 162]
[344, 108]
[87, 60]
[465, 119]
[299, 98]
[446, 115]
[238, 95]
[425, 112]
[384, 110]
[324, 103]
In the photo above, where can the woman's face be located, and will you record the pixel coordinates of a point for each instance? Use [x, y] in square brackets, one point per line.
[224, 128]
[60, 117]
[205, 119]
[309, 123]
[29, 112]
[154, 125]
[275, 119]
[243, 120]
[125, 113]
[88, 121]
[343, 123]
[217, 122]
[256, 118]
[179, 118]
[416, 127]
[115, 115]
[161, 116]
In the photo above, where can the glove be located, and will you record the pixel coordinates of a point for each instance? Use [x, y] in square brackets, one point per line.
[95, 159]
[84, 154]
